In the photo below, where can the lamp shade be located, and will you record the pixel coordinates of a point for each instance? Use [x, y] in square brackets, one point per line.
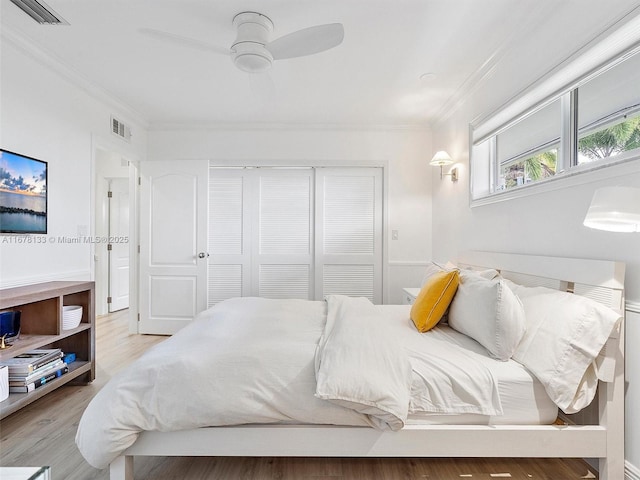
[441, 158]
[615, 209]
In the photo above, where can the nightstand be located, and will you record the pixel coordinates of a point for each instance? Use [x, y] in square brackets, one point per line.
[409, 295]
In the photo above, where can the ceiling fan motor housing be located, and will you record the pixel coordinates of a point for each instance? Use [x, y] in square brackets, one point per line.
[248, 51]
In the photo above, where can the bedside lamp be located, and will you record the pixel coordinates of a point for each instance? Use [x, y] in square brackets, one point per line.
[614, 209]
[440, 159]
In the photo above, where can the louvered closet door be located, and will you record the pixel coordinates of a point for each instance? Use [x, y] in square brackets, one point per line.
[260, 233]
[282, 242]
[229, 268]
[348, 256]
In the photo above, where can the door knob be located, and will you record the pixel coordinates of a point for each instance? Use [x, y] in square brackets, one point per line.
[203, 255]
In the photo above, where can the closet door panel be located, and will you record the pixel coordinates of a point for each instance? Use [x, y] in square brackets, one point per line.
[283, 247]
[229, 235]
[348, 258]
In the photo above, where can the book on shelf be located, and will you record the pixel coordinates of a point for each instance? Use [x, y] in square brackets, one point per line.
[21, 379]
[30, 387]
[27, 362]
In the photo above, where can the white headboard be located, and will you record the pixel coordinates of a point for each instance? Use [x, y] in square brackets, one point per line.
[600, 280]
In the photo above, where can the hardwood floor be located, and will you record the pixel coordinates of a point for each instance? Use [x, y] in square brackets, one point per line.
[43, 434]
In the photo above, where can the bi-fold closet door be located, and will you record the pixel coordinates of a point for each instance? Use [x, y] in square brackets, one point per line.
[295, 233]
[260, 233]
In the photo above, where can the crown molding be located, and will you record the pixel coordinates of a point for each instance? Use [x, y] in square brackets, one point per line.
[483, 74]
[615, 39]
[487, 70]
[188, 127]
[54, 63]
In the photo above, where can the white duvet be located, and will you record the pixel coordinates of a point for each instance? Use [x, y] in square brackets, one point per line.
[254, 360]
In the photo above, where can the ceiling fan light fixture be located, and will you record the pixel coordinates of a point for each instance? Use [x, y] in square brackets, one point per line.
[251, 57]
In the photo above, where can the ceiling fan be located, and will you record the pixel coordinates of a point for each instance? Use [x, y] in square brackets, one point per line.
[254, 52]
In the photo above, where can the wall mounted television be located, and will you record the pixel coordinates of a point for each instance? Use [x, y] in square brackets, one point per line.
[23, 194]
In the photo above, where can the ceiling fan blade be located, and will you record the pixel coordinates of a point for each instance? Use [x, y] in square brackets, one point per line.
[262, 87]
[307, 41]
[184, 41]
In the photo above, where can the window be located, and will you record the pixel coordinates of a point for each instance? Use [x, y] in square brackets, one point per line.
[609, 113]
[528, 151]
[591, 123]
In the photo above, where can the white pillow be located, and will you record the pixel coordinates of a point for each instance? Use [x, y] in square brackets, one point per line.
[489, 312]
[565, 333]
[433, 268]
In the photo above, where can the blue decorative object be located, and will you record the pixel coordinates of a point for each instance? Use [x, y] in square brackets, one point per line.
[10, 325]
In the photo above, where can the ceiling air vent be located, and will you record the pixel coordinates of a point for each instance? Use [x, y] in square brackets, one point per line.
[120, 129]
[40, 12]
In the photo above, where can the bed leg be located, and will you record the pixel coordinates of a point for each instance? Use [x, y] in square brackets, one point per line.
[610, 470]
[121, 468]
[611, 415]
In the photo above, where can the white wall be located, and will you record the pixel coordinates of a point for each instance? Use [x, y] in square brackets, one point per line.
[48, 113]
[545, 224]
[43, 114]
[403, 152]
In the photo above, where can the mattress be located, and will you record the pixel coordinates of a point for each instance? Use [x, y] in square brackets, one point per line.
[523, 398]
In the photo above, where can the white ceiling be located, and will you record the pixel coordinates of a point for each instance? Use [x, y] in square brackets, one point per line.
[371, 79]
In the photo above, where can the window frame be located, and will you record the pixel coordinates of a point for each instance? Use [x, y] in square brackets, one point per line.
[582, 70]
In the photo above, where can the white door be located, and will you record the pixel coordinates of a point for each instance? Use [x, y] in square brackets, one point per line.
[261, 231]
[173, 244]
[282, 256]
[229, 269]
[348, 253]
[118, 246]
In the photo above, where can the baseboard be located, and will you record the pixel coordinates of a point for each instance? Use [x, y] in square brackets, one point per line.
[631, 472]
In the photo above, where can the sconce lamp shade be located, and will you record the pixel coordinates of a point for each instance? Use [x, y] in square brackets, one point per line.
[615, 209]
[441, 158]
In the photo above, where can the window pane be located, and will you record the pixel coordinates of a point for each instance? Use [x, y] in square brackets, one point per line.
[482, 156]
[609, 112]
[530, 169]
[528, 150]
[532, 133]
[622, 136]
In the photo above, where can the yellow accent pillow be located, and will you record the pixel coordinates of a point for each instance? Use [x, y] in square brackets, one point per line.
[434, 299]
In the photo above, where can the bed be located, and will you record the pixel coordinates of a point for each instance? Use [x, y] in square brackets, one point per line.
[458, 401]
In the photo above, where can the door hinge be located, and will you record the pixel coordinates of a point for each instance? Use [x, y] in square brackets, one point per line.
[108, 299]
[109, 247]
[109, 194]
[138, 248]
[138, 317]
[139, 181]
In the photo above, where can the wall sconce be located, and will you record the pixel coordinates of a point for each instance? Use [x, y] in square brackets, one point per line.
[440, 159]
[614, 209]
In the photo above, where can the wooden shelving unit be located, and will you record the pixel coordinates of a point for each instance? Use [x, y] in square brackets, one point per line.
[41, 327]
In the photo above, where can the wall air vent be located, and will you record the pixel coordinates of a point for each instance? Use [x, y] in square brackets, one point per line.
[40, 12]
[120, 129]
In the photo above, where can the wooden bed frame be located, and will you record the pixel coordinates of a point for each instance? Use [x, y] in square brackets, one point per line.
[597, 432]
